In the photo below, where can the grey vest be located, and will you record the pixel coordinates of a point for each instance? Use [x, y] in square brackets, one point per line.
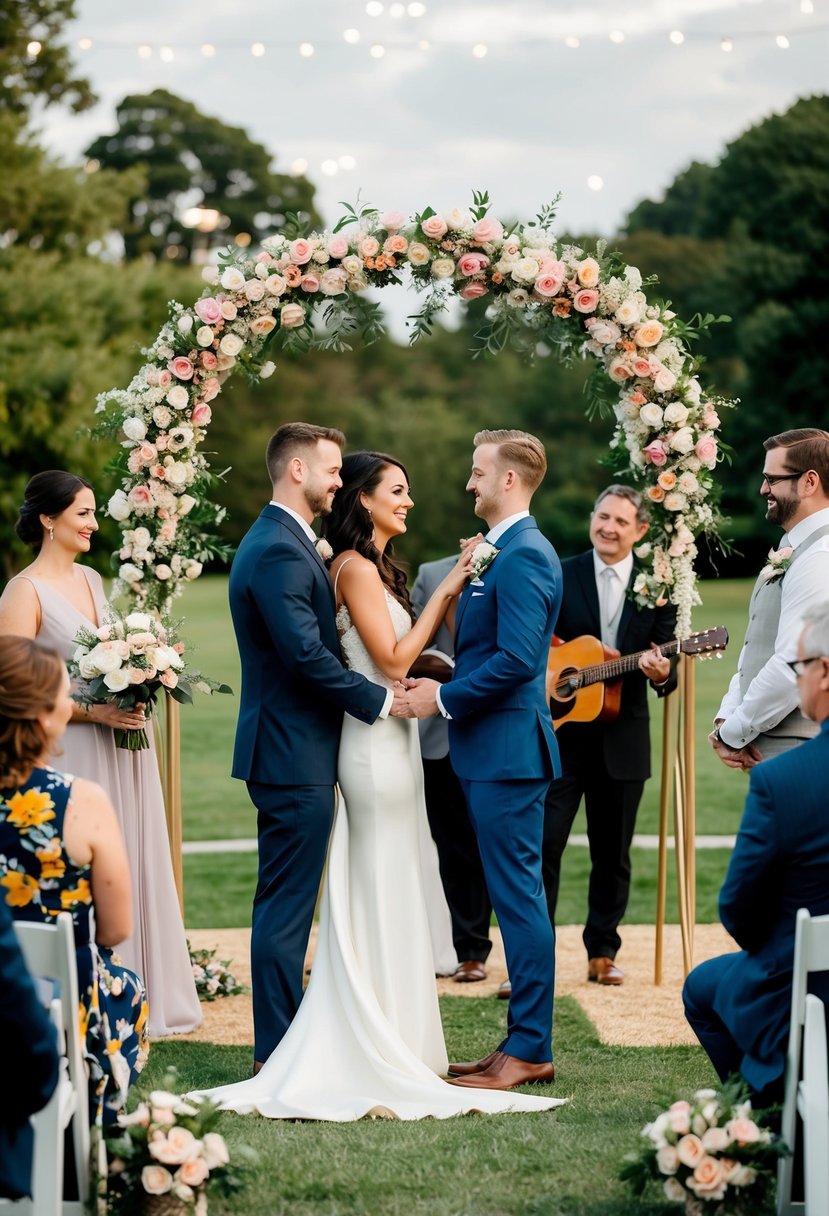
[763, 622]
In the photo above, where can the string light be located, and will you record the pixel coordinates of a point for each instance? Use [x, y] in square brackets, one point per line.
[208, 50]
[351, 36]
[480, 50]
[258, 50]
[416, 9]
[85, 44]
[616, 36]
[677, 37]
[347, 163]
[377, 51]
[807, 7]
[298, 166]
[34, 48]
[424, 44]
[306, 49]
[329, 167]
[397, 11]
[374, 8]
[166, 54]
[727, 45]
[573, 42]
[782, 42]
[594, 182]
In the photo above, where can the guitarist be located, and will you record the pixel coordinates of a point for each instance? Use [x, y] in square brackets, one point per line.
[607, 763]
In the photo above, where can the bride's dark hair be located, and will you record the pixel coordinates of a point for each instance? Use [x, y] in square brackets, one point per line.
[349, 524]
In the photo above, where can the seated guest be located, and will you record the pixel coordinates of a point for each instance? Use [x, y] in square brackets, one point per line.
[61, 851]
[739, 1004]
[28, 1063]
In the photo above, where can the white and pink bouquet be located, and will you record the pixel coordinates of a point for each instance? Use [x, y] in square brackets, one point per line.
[710, 1154]
[128, 661]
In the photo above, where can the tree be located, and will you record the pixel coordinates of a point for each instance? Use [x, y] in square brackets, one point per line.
[47, 76]
[190, 157]
[678, 212]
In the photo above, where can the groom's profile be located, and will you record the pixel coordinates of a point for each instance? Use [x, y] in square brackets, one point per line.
[294, 693]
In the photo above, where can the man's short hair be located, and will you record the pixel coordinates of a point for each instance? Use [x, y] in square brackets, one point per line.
[294, 438]
[643, 515]
[807, 447]
[520, 451]
[816, 630]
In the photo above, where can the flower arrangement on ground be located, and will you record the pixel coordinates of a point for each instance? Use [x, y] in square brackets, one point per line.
[128, 661]
[305, 290]
[709, 1153]
[165, 1155]
[213, 979]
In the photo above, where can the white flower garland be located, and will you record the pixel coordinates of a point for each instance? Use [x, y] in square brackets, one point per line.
[665, 427]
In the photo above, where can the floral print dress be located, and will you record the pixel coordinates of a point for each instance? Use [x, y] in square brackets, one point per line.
[39, 880]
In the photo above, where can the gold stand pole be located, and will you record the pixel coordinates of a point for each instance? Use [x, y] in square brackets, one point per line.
[668, 762]
[689, 800]
[172, 788]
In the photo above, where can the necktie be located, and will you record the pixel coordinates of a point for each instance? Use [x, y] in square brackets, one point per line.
[608, 605]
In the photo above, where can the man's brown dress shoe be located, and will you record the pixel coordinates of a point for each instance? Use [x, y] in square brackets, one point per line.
[604, 971]
[469, 972]
[505, 991]
[474, 1066]
[506, 1072]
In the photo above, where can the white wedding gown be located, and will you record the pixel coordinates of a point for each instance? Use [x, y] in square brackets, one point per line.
[367, 1039]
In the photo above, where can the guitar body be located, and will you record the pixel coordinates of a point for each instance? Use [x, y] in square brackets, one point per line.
[594, 702]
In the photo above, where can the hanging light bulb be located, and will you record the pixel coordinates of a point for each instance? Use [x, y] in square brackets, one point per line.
[806, 6]
[616, 36]
[85, 44]
[208, 50]
[782, 42]
[594, 182]
[480, 50]
[726, 45]
[351, 36]
[377, 51]
[166, 54]
[329, 168]
[677, 37]
[573, 42]
[374, 8]
[145, 51]
[416, 9]
[306, 49]
[298, 166]
[257, 50]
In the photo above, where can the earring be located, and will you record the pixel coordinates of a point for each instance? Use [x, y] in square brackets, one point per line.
[51, 532]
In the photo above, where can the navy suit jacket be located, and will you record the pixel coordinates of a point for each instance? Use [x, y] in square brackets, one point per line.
[28, 1062]
[295, 688]
[501, 729]
[780, 863]
[623, 744]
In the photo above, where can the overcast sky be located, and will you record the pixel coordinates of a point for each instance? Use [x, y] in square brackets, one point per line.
[425, 126]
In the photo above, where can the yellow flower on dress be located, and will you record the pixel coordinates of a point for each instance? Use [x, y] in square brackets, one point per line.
[52, 864]
[22, 888]
[30, 809]
[81, 894]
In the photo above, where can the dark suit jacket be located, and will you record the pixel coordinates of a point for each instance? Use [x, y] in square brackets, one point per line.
[780, 863]
[28, 1062]
[624, 744]
[501, 728]
[294, 686]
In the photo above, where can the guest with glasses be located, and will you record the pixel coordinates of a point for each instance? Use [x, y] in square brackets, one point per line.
[760, 715]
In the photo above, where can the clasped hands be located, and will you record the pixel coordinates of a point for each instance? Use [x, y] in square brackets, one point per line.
[735, 757]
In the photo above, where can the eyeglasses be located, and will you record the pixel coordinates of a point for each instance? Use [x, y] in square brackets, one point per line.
[798, 666]
[771, 479]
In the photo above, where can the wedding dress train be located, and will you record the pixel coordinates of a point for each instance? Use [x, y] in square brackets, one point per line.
[367, 1039]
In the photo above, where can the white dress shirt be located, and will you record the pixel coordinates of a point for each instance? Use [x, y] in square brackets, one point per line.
[617, 586]
[772, 694]
[312, 536]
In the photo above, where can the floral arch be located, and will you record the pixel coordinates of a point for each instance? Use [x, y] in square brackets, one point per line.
[307, 290]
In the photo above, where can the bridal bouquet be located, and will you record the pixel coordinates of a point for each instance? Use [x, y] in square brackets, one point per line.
[709, 1154]
[213, 978]
[128, 661]
[164, 1156]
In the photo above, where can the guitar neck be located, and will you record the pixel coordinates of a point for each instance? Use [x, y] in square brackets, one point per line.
[614, 668]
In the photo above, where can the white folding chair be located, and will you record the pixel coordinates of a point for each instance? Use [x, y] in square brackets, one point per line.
[807, 1075]
[49, 950]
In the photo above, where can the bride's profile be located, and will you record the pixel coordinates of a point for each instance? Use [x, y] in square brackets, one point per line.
[368, 1038]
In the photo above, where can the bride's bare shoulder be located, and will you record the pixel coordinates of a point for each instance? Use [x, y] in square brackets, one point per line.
[354, 566]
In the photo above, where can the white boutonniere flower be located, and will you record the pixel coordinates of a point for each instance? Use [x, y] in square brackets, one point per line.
[779, 561]
[483, 555]
[323, 548]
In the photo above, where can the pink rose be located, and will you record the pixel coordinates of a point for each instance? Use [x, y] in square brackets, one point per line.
[208, 310]
[167, 677]
[434, 227]
[338, 247]
[619, 369]
[392, 221]
[310, 282]
[181, 367]
[301, 251]
[291, 316]
[134, 461]
[369, 247]
[208, 360]
[210, 388]
[706, 449]
[147, 453]
[641, 367]
[473, 290]
[586, 300]
[472, 263]
[165, 379]
[140, 498]
[229, 310]
[743, 1131]
[292, 276]
[395, 244]
[655, 453]
[548, 285]
[201, 415]
[487, 229]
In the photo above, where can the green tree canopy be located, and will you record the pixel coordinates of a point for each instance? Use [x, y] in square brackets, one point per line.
[48, 76]
[192, 159]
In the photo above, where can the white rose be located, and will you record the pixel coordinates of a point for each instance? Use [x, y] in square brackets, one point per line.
[418, 254]
[267, 369]
[443, 268]
[156, 1180]
[184, 323]
[676, 414]
[210, 274]
[651, 414]
[118, 507]
[141, 622]
[163, 572]
[214, 1150]
[628, 312]
[177, 473]
[275, 285]
[693, 390]
[162, 416]
[134, 428]
[333, 282]
[457, 218]
[105, 661]
[116, 681]
[178, 397]
[352, 264]
[607, 333]
[204, 335]
[232, 279]
[675, 502]
[683, 441]
[193, 569]
[688, 482]
[664, 380]
[230, 345]
[186, 504]
[674, 1190]
[525, 270]
[254, 289]
[157, 656]
[130, 573]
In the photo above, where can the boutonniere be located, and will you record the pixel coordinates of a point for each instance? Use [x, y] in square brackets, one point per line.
[779, 561]
[323, 548]
[483, 555]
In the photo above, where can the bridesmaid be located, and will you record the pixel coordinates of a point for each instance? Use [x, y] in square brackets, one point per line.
[50, 600]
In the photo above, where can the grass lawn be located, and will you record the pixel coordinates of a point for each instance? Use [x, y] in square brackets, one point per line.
[219, 889]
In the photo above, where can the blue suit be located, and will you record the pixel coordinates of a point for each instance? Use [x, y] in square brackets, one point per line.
[28, 1062]
[739, 1004]
[503, 749]
[294, 693]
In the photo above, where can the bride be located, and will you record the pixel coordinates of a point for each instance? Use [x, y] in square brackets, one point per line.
[368, 1039]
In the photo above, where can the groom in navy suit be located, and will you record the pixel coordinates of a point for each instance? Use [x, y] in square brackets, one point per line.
[295, 691]
[739, 1004]
[501, 740]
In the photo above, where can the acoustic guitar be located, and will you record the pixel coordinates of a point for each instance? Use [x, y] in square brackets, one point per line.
[584, 683]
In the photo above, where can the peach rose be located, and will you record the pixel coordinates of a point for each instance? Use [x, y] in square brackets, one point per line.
[666, 480]
[619, 369]
[473, 290]
[156, 1180]
[310, 283]
[587, 272]
[395, 244]
[743, 1131]
[487, 229]
[707, 1181]
[262, 325]
[275, 285]
[586, 300]
[193, 1172]
[649, 333]
[291, 316]
[667, 1159]
[254, 290]
[434, 227]
[655, 493]
[215, 1150]
[418, 254]
[229, 310]
[369, 247]
[210, 388]
[689, 1148]
[664, 380]
[392, 220]
[715, 1139]
[301, 251]
[292, 276]
[642, 367]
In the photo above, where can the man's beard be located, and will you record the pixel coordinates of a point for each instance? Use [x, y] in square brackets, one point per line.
[319, 501]
[781, 510]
